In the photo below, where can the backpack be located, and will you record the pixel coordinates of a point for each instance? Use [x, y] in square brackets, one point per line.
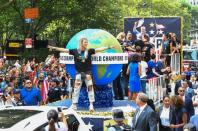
[120, 128]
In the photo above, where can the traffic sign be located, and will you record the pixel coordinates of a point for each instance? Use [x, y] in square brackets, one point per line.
[31, 13]
[28, 20]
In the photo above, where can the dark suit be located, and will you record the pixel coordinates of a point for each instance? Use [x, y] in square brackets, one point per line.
[190, 92]
[188, 104]
[146, 120]
[172, 119]
[177, 85]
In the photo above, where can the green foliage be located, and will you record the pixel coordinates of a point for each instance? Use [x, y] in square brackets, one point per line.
[59, 20]
[39, 54]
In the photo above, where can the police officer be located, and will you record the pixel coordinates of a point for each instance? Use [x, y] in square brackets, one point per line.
[118, 117]
[64, 92]
[54, 92]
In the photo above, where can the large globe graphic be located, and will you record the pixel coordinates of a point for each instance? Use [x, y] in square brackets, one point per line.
[102, 74]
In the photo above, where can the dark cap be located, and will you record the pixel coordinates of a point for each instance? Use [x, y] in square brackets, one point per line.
[118, 115]
[52, 114]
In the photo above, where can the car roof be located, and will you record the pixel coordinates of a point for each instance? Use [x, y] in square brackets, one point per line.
[34, 120]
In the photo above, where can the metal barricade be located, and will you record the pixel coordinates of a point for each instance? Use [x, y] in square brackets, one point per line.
[69, 87]
[156, 88]
[175, 63]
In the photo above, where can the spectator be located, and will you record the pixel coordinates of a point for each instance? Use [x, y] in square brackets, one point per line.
[144, 68]
[188, 104]
[29, 94]
[189, 127]
[174, 44]
[9, 96]
[54, 124]
[194, 82]
[144, 118]
[180, 112]
[160, 67]
[64, 92]
[194, 120]
[166, 115]
[188, 91]
[179, 82]
[151, 67]
[54, 92]
[17, 65]
[2, 99]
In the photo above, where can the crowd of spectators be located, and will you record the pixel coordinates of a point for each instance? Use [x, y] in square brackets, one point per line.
[179, 101]
[39, 83]
[32, 82]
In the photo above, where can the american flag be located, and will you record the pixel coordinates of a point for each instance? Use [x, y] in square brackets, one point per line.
[159, 26]
[94, 124]
[44, 87]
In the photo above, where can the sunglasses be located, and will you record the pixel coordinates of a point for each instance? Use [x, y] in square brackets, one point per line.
[181, 90]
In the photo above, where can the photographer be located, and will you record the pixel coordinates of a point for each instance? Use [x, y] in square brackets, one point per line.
[9, 96]
[54, 124]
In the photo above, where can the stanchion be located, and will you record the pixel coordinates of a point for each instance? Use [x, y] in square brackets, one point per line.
[175, 63]
[70, 87]
[156, 87]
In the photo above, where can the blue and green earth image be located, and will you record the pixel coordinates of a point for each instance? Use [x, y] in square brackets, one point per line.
[102, 74]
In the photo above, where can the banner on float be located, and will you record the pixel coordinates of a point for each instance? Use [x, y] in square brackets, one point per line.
[100, 58]
[155, 27]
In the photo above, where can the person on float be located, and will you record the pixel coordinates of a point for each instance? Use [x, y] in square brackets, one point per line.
[82, 58]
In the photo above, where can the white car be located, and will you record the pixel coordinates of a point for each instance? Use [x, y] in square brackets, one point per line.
[34, 118]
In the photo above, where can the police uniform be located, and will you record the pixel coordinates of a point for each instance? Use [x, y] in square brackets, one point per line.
[54, 93]
[118, 116]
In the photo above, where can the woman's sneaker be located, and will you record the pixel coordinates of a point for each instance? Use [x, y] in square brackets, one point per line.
[91, 107]
[74, 107]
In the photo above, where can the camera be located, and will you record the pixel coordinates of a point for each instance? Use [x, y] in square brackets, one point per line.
[59, 109]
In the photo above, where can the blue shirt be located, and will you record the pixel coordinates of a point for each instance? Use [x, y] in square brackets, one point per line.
[158, 67]
[151, 65]
[194, 120]
[30, 97]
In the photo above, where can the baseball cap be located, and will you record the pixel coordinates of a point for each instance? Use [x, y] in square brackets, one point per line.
[118, 115]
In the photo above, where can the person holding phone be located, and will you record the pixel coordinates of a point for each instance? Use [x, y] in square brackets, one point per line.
[54, 123]
[9, 96]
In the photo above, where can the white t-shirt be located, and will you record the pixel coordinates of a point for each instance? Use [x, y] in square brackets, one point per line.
[165, 116]
[144, 67]
[61, 127]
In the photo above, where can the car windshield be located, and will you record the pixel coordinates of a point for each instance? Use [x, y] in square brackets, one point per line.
[10, 117]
